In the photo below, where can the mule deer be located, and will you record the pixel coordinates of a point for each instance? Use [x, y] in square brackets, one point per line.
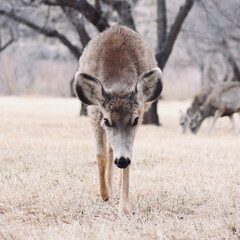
[198, 100]
[223, 101]
[118, 78]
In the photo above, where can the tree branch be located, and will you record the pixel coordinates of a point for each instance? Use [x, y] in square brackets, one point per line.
[166, 49]
[231, 59]
[224, 14]
[78, 24]
[45, 31]
[90, 13]
[8, 43]
[98, 5]
[124, 10]
[51, 3]
[161, 23]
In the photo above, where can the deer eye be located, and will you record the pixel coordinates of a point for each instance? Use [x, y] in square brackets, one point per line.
[135, 122]
[106, 122]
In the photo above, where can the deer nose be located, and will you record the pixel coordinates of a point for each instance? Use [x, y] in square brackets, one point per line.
[122, 162]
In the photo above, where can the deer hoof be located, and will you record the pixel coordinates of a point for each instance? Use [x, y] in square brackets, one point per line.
[104, 194]
[125, 208]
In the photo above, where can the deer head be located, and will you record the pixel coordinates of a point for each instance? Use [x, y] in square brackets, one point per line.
[196, 121]
[121, 110]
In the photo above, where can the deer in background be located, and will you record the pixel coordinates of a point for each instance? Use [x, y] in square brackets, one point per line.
[224, 100]
[198, 101]
[118, 79]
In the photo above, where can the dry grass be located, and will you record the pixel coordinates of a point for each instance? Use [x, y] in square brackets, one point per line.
[183, 186]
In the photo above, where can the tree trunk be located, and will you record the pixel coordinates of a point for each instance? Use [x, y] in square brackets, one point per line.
[124, 10]
[97, 18]
[165, 45]
[234, 65]
[161, 24]
[151, 116]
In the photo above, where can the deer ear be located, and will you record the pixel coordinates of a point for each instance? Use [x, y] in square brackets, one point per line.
[88, 89]
[149, 85]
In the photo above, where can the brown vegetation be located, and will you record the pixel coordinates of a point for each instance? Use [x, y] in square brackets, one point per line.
[187, 187]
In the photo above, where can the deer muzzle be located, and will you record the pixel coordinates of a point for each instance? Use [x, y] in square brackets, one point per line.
[122, 162]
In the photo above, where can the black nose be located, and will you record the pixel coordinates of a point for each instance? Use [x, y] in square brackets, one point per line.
[122, 162]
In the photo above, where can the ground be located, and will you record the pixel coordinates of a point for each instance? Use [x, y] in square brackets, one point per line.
[182, 186]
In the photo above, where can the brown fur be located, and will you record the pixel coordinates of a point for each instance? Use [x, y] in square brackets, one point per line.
[200, 99]
[224, 100]
[119, 55]
[119, 78]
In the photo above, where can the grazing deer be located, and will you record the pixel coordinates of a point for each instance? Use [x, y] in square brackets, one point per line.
[118, 78]
[224, 100]
[198, 100]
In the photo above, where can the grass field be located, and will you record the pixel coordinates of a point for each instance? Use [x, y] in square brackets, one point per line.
[182, 186]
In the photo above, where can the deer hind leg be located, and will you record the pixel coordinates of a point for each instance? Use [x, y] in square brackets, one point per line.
[232, 121]
[238, 130]
[101, 155]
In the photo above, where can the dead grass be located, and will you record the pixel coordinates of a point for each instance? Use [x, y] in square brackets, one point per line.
[183, 186]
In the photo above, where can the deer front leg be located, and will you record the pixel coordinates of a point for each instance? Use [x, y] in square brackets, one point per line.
[209, 124]
[217, 114]
[125, 207]
[119, 181]
[101, 155]
[101, 159]
[110, 171]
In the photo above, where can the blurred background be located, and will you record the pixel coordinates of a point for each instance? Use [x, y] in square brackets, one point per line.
[42, 40]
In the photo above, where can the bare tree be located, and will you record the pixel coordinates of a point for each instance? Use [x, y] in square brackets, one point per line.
[166, 42]
[96, 14]
[8, 43]
[217, 34]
